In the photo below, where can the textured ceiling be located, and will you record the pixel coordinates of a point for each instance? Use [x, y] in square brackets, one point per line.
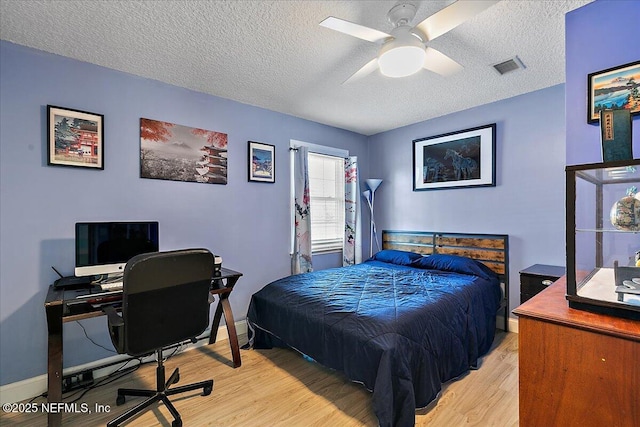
[273, 54]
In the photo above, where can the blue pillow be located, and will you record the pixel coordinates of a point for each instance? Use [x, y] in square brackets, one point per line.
[455, 264]
[393, 256]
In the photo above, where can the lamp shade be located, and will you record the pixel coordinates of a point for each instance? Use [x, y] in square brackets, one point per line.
[373, 184]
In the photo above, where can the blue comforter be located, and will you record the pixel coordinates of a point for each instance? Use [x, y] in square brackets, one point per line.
[399, 330]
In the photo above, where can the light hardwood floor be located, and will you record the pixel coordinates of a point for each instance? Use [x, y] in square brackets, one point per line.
[280, 388]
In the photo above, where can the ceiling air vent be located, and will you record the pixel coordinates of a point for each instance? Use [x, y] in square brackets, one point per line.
[508, 66]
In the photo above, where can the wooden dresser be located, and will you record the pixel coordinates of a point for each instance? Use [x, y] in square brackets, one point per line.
[576, 368]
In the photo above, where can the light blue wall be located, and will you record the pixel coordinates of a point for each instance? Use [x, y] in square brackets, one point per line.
[599, 36]
[246, 223]
[40, 204]
[528, 200]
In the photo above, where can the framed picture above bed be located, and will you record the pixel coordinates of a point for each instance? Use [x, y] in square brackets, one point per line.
[461, 159]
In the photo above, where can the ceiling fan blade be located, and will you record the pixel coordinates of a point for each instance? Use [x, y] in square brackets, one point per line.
[451, 16]
[355, 30]
[440, 63]
[369, 68]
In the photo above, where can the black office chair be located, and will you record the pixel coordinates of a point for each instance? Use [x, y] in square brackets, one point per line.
[165, 301]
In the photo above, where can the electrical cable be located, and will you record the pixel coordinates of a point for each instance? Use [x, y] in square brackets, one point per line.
[95, 343]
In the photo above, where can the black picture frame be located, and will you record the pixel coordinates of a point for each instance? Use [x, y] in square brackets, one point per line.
[461, 159]
[261, 162]
[75, 138]
[616, 94]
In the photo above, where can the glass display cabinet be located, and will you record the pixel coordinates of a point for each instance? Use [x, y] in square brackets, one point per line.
[603, 237]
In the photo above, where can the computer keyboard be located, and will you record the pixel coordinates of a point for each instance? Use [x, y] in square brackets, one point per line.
[102, 296]
[112, 286]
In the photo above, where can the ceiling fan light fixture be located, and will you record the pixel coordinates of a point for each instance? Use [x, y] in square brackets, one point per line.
[402, 61]
[402, 56]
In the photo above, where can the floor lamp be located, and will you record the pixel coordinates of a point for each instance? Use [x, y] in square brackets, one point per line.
[370, 194]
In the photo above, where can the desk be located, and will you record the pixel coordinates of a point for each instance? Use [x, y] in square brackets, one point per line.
[61, 307]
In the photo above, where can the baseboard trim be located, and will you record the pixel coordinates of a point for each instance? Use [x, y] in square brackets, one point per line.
[512, 323]
[35, 386]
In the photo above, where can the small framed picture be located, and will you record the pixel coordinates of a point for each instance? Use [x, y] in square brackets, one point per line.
[461, 159]
[262, 162]
[75, 138]
[616, 88]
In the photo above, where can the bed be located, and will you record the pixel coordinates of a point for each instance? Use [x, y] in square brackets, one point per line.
[401, 323]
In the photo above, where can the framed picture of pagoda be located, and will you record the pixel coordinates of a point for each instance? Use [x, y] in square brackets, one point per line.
[262, 162]
[181, 153]
[75, 138]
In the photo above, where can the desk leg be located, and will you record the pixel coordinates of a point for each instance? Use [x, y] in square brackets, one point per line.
[216, 323]
[54, 367]
[231, 330]
[225, 307]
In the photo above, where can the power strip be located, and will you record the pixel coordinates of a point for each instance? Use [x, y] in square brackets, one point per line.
[76, 381]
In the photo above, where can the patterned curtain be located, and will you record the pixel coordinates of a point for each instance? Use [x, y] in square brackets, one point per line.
[301, 257]
[352, 248]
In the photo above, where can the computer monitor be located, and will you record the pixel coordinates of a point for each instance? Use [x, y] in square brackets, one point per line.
[105, 247]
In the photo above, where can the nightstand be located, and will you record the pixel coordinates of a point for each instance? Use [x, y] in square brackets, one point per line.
[536, 278]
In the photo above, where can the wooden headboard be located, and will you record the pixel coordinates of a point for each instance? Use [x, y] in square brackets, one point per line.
[490, 249]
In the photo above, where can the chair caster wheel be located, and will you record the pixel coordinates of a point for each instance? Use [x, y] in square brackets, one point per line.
[177, 379]
[207, 391]
[176, 423]
[120, 400]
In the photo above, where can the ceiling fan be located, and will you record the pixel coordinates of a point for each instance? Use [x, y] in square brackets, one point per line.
[404, 50]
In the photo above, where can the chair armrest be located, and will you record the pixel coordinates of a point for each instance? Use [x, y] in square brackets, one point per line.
[116, 328]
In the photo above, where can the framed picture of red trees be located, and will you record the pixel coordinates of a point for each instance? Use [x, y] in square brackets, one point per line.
[181, 153]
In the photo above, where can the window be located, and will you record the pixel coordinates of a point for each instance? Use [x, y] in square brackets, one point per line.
[326, 190]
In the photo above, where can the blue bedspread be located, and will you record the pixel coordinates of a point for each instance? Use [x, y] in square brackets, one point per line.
[401, 331]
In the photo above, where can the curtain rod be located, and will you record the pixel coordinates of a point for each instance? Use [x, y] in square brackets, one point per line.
[346, 158]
